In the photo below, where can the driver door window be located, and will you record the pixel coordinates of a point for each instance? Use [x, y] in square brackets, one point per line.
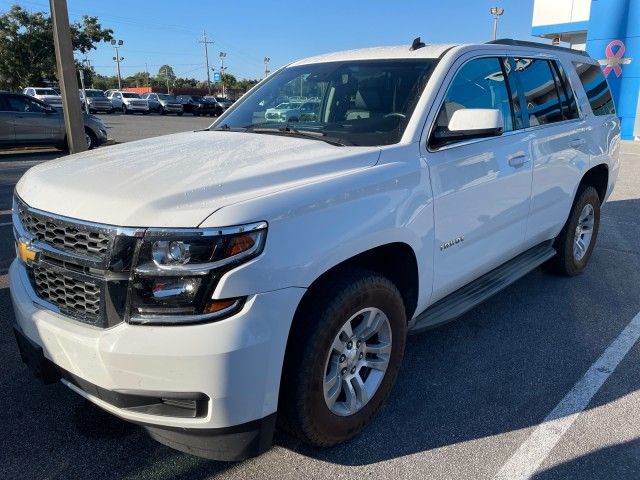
[479, 83]
[25, 105]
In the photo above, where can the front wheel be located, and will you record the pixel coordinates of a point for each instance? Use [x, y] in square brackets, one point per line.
[575, 243]
[124, 109]
[343, 358]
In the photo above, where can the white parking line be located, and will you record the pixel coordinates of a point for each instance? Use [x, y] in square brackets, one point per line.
[526, 460]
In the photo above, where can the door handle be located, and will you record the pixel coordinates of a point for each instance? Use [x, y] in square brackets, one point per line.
[517, 159]
[577, 142]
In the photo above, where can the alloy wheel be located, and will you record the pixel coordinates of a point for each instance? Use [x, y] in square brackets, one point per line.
[584, 232]
[357, 361]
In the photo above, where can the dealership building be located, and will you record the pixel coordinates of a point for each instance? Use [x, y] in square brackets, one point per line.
[610, 31]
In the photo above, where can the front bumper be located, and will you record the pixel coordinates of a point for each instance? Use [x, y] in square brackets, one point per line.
[235, 363]
[137, 108]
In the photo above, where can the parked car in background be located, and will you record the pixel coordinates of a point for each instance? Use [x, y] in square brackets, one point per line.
[128, 102]
[293, 112]
[47, 95]
[198, 105]
[26, 121]
[96, 101]
[163, 103]
[223, 102]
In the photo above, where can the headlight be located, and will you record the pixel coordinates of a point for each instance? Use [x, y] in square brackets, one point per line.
[177, 271]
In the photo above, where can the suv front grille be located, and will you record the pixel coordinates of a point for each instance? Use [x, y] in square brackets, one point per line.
[75, 239]
[75, 297]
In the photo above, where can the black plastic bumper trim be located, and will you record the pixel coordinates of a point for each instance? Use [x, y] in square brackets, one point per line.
[229, 444]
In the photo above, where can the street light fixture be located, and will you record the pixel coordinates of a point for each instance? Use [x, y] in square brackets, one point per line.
[496, 12]
[222, 69]
[266, 66]
[117, 44]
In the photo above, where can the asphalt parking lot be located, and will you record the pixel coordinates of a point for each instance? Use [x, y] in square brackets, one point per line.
[474, 398]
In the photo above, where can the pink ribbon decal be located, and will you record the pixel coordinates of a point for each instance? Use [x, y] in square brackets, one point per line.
[614, 59]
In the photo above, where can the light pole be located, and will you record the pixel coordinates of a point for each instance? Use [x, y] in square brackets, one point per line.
[117, 44]
[222, 56]
[497, 12]
[266, 66]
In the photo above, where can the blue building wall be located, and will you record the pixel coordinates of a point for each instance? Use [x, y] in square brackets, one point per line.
[613, 35]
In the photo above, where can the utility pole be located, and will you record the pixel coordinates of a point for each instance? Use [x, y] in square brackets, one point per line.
[266, 66]
[73, 122]
[497, 12]
[117, 44]
[166, 75]
[206, 44]
[222, 55]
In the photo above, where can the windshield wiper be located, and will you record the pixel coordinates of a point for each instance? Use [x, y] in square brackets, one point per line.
[294, 132]
[226, 128]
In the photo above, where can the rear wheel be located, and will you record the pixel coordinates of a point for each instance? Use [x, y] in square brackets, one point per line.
[575, 243]
[343, 357]
[90, 138]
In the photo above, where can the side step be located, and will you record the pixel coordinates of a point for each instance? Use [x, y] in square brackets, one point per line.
[467, 297]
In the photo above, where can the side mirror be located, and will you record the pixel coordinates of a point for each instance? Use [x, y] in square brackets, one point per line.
[49, 109]
[476, 122]
[467, 124]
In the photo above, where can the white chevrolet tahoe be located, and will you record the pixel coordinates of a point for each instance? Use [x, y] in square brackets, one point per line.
[211, 285]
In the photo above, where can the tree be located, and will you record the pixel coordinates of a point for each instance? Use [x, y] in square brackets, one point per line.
[229, 81]
[27, 55]
[165, 76]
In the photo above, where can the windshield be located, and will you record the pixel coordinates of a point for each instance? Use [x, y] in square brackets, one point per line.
[94, 93]
[367, 102]
[196, 98]
[130, 95]
[164, 96]
[46, 91]
[221, 99]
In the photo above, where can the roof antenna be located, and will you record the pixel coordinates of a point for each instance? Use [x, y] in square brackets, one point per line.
[417, 43]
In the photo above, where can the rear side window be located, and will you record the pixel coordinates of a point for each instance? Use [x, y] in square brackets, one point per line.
[567, 97]
[540, 91]
[596, 87]
[480, 83]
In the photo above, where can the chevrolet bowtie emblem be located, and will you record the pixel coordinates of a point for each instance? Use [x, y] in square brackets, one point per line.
[25, 253]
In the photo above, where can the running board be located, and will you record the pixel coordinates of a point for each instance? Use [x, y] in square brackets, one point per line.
[476, 292]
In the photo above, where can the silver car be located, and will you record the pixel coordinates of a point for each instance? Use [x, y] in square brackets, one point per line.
[96, 101]
[47, 95]
[28, 122]
[163, 103]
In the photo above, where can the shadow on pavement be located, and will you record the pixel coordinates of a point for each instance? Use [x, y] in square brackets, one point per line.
[618, 461]
[499, 368]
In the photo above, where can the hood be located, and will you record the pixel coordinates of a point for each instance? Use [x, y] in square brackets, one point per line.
[179, 180]
[50, 98]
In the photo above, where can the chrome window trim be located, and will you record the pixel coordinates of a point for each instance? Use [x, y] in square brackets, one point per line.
[509, 55]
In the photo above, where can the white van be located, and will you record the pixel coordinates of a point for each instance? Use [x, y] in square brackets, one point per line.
[211, 285]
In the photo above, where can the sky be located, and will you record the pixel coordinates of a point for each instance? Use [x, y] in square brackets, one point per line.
[167, 32]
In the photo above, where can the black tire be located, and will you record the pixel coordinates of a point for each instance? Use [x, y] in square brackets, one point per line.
[109, 112]
[146, 112]
[161, 110]
[565, 262]
[180, 114]
[125, 110]
[303, 411]
[92, 141]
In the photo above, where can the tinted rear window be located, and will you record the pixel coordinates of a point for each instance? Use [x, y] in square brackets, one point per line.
[596, 87]
[540, 91]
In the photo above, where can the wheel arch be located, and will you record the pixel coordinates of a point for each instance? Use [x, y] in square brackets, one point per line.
[598, 178]
[396, 261]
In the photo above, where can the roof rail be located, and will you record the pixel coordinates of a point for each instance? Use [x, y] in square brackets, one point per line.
[546, 46]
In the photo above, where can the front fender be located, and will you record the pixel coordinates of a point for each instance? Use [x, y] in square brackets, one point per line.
[315, 227]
